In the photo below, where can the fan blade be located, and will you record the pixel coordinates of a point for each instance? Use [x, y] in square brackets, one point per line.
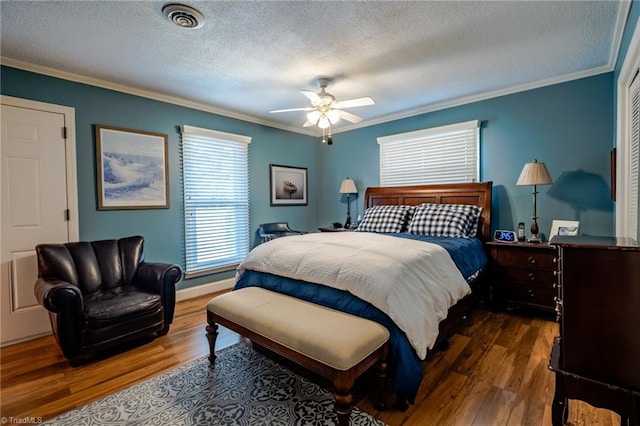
[307, 124]
[351, 103]
[313, 96]
[292, 109]
[350, 117]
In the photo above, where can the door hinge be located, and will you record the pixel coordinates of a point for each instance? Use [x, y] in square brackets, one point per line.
[67, 215]
[64, 132]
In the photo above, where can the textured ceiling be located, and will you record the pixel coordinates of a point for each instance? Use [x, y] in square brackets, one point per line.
[253, 57]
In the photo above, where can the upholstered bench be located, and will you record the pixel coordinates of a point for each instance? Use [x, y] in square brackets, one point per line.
[334, 344]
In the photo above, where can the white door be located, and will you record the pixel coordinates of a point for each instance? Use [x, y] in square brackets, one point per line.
[34, 178]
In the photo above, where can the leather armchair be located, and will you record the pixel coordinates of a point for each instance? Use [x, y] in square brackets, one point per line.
[101, 294]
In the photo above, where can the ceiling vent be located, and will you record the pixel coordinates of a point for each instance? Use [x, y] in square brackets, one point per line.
[183, 16]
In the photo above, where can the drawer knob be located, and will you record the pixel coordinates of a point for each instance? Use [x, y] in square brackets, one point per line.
[556, 285]
[555, 260]
[531, 292]
[531, 276]
[555, 273]
[532, 260]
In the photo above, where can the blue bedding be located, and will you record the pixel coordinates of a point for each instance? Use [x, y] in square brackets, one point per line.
[406, 367]
[467, 253]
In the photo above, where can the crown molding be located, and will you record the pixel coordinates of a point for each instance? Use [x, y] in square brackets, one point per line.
[479, 97]
[305, 131]
[78, 78]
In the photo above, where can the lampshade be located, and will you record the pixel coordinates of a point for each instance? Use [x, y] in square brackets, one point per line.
[348, 186]
[323, 122]
[313, 116]
[333, 115]
[534, 174]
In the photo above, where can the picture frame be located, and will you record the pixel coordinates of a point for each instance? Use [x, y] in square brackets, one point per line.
[564, 227]
[288, 185]
[132, 169]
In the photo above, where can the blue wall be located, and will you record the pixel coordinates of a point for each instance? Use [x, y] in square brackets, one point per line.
[568, 126]
[163, 229]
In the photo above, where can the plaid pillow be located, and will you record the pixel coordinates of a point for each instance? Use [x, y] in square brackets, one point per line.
[445, 220]
[384, 219]
[474, 221]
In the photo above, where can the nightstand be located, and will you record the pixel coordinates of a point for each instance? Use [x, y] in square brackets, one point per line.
[524, 274]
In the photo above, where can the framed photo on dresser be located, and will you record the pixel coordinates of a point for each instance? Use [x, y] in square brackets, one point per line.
[564, 227]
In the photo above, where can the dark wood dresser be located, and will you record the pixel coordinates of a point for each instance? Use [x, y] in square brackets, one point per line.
[596, 357]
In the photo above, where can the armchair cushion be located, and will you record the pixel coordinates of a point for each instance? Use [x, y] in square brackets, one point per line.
[103, 308]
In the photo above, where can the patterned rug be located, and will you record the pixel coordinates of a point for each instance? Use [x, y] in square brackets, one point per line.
[244, 388]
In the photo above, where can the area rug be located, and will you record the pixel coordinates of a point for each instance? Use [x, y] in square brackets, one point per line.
[243, 388]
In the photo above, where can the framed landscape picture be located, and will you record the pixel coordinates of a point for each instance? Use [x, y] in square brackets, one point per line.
[132, 169]
[288, 185]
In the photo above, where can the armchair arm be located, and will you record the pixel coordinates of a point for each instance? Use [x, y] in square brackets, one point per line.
[57, 295]
[65, 303]
[160, 278]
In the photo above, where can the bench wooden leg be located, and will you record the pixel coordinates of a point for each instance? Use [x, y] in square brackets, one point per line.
[342, 395]
[212, 335]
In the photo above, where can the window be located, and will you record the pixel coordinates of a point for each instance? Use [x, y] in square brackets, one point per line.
[444, 154]
[215, 173]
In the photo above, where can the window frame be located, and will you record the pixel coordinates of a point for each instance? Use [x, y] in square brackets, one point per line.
[626, 214]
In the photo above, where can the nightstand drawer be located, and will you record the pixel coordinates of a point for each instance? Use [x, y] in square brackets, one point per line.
[529, 276]
[534, 295]
[527, 258]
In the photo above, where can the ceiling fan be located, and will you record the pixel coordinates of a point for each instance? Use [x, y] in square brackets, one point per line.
[325, 110]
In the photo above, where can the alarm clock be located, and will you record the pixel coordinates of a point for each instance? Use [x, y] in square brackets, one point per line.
[505, 236]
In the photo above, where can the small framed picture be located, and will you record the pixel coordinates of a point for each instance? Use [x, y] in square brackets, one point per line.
[564, 227]
[288, 185]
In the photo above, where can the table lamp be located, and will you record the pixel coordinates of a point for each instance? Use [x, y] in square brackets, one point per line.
[534, 174]
[348, 187]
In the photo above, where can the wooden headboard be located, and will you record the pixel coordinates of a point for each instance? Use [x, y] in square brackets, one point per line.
[478, 194]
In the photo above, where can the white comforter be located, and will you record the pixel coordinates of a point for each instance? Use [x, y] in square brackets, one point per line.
[413, 282]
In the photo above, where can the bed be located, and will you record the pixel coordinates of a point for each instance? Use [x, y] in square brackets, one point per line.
[425, 244]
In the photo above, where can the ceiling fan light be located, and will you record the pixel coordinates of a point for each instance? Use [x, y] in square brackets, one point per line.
[333, 115]
[313, 116]
[323, 123]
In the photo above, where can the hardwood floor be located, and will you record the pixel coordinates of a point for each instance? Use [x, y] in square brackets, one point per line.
[493, 373]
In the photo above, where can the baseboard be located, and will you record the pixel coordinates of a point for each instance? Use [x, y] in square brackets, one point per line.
[201, 290]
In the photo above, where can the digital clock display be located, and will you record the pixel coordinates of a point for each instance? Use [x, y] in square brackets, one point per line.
[508, 236]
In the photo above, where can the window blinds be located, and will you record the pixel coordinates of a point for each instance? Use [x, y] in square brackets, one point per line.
[215, 172]
[444, 154]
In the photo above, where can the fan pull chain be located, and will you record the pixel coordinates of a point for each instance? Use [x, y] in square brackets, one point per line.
[328, 139]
